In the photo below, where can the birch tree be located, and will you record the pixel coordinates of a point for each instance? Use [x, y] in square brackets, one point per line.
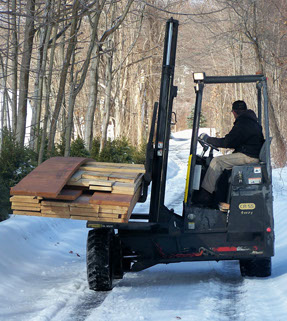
[45, 33]
[64, 72]
[89, 116]
[25, 71]
[252, 17]
[14, 63]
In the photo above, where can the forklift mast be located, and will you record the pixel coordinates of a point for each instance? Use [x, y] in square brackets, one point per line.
[160, 153]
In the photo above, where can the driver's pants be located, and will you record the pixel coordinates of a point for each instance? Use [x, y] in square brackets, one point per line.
[219, 164]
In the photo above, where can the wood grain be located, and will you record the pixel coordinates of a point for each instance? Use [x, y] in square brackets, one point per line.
[48, 179]
[119, 168]
[119, 185]
[99, 198]
[69, 194]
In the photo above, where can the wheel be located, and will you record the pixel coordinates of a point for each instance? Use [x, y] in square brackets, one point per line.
[99, 259]
[256, 267]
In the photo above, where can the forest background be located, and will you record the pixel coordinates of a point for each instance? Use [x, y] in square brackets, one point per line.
[82, 65]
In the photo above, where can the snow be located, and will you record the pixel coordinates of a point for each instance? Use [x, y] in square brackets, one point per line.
[43, 272]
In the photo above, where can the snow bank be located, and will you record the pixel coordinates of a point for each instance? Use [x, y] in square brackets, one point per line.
[37, 256]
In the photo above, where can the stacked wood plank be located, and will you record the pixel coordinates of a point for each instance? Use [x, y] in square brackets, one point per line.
[88, 190]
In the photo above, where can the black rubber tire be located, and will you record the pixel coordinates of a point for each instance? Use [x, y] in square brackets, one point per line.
[256, 267]
[99, 260]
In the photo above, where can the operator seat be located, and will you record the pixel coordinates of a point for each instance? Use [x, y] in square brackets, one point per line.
[223, 190]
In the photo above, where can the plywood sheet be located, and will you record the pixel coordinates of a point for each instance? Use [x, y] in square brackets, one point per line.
[48, 179]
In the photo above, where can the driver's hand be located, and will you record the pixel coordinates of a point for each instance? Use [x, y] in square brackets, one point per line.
[203, 137]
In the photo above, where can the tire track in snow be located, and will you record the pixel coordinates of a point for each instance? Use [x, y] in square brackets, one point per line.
[186, 291]
[80, 309]
[230, 291]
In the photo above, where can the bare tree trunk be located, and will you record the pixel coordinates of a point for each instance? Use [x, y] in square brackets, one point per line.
[2, 99]
[89, 117]
[93, 94]
[72, 98]
[5, 120]
[281, 148]
[24, 72]
[40, 74]
[37, 94]
[47, 86]
[107, 105]
[14, 69]
[63, 76]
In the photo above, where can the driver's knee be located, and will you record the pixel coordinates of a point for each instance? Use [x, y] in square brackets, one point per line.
[216, 163]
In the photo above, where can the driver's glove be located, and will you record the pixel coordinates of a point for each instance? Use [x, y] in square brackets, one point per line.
[203, 137]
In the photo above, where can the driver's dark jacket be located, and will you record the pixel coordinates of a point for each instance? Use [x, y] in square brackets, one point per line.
[245, 136]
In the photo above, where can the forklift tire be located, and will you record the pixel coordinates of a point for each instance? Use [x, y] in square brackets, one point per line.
[99, 260]
[256, 267]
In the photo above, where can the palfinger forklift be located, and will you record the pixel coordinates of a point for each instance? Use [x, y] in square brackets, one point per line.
[244, 233]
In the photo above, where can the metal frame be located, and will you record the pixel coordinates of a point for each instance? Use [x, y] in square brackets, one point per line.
[167, 93]
[261, 83]
[165, 238]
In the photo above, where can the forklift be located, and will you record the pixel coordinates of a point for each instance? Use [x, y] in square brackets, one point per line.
[244, 232]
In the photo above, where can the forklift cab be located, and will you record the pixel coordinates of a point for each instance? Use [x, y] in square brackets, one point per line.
[247, 188]
[198, 165]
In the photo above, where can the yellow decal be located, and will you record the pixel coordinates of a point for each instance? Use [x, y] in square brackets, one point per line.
[247, 206]
[187, 179]
[95, 225]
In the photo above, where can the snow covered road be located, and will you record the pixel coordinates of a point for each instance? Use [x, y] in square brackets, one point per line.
[43, 272]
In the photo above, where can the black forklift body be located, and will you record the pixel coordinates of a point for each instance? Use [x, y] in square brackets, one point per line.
[245, 232]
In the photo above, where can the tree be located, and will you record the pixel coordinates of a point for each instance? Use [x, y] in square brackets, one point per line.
[64, 72]
[25, 71]
[251, 16]
[89, 116]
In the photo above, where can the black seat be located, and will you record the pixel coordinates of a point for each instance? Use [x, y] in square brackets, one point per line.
[263, 154]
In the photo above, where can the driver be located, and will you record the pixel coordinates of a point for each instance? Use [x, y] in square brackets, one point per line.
[245, 137]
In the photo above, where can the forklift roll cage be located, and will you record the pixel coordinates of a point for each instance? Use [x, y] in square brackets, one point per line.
[162, 236]
[261, 83]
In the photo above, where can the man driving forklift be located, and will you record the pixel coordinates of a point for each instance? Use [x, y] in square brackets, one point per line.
[245, 137]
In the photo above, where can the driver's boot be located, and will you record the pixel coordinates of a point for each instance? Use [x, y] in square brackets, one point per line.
[205, 198]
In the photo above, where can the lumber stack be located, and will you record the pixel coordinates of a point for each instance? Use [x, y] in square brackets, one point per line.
[89, 190]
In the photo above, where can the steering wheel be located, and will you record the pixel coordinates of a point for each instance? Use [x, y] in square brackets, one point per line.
[205, 145]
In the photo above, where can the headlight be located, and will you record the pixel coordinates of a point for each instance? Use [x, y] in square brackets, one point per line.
[198, 76]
